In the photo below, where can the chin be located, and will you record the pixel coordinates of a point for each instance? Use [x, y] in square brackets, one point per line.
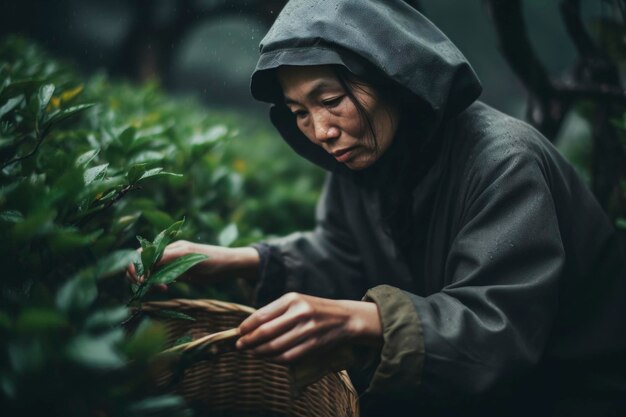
[359, 165]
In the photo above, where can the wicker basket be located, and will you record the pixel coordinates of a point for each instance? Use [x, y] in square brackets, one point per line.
[232, 383]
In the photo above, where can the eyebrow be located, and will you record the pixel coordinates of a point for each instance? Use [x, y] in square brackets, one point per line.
[319, 87]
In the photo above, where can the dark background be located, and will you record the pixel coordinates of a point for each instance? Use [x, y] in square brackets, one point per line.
[214, 50]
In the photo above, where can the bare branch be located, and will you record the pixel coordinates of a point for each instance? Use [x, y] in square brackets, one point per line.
[573, 92]
[516, 47]
[594, 64]
[544, 110]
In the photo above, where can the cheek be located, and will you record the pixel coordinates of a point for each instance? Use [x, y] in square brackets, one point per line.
[351, 123]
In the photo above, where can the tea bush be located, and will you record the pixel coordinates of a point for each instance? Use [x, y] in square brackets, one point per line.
[85, 167]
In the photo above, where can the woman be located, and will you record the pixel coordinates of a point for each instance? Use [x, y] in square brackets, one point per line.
[491, 281]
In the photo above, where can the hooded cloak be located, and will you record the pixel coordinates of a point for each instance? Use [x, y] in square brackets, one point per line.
[511, 298]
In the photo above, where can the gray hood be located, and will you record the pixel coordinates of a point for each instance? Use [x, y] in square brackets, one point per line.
[383, 36]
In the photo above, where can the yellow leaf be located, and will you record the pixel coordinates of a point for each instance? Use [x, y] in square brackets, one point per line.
[70, 94]
[55, 102]
[240, 166]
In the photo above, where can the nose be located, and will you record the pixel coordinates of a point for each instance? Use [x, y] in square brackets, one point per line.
[324, 127]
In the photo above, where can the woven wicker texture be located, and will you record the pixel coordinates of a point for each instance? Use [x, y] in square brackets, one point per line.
[235, 383]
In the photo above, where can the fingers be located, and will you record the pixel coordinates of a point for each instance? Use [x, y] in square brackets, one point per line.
[261, 316]
[131, 273]
[301, 334]
[292, 326]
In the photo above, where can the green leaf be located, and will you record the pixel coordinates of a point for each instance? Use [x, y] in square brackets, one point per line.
[213, 134]
[26, 87]
[96, 173]
[144, 242]
[10, 105]
[39, 320]
[621, 223]
[171, 314]
[106, 318]
[157, 218]
[128, 136]
[11, 216]
[165, 237]
[228, 235]
[44, 96]
[156, 172]
[69, 112]
[135, 172]
[148, 257]
[170, 272]
[115, 262]
[138, 268]
[156, 404]
[184, 339]
[99, 352]
[87, 157]
[77, 294]
[147, 157]
[148, 339]
[68, 239]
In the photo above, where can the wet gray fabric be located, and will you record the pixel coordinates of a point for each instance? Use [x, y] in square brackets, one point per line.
[515, 278]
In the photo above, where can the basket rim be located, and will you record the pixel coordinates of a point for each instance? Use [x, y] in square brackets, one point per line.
[206, 304]
[225, 306]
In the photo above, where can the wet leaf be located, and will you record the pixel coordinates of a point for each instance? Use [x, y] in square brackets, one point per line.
[165, 238]
[156, 172]
[148, 257]
[87, 157]
[44, 96]
[170, 272]
[95, 173]
[69, 112]
[135, 172]
[10, 105]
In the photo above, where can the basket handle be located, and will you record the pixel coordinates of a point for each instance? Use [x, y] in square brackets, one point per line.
[205, 340]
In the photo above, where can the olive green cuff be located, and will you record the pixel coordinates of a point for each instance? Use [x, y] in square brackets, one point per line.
[402, 356]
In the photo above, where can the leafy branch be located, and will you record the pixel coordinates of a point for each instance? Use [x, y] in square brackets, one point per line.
[147, 267]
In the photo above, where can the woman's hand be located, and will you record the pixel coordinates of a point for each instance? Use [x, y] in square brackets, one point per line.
[221, 263]
[296, 325]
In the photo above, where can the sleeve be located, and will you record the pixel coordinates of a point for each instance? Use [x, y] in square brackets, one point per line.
[324, 262]
[490, 322]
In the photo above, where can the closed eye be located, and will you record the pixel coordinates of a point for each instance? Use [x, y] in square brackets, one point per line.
[300, 113]
[333, 102]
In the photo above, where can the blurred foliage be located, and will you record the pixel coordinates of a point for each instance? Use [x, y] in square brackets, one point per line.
[85, 167]
[609, 33]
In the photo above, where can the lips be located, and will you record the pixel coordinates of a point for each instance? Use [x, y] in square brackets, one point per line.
[343, 155]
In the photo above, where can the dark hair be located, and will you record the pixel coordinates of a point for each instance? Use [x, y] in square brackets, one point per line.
[396, 173]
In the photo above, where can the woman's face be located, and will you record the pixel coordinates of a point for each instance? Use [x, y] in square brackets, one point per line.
[328, 118]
